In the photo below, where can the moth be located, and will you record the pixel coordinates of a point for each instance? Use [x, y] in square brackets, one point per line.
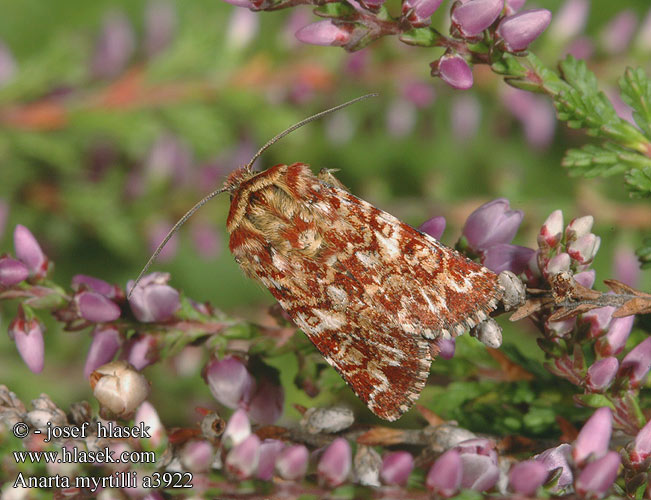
[372, 294]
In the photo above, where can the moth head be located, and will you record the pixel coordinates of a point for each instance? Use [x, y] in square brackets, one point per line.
[234, 180]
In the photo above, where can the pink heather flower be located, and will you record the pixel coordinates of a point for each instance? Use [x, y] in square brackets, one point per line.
[617, 34]
[106, 342]
[266, 405]
[555, 458]
[614, 341]
[560, 328]
[642, 445]
[96, 308]
[270, 450]
[335, 463]
[526, 477]
[207, 240]
[570, 20]
[535, 113]
[521, 29]
[492, 223]
[474, 16]
[581, 226]
[551, 231]
[601, 374]
[465, 116]
[95, 285]
[558, 264]
[598, 476]
[421, 94]
[114, 47]
[479, 462]
[29, 251]
[599, 320]
[7, 71]
[626, 266]
[584, 249]
[453, 70]
[4, 206]
[581, 48]
[507, 257]
[229, 381]
[240, 3]
[418, 12]
[325, 33]
[28, 336]
[447, 347]
[237, 429]
[141, 351]
[197, 455]
[160, 24]
[147, 414]
[291, 464]
[444, 476]
[434, 227]
[119, 388]
[594, 436]
[643, 39]
[153, 300]
[242, 460]
[12, 272]
[396, 467]
[637, 363]
[155, 234]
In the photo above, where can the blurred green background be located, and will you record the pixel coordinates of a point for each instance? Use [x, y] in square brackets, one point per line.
[99, 165]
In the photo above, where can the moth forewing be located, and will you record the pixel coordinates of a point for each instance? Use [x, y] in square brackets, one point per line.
[370, 292]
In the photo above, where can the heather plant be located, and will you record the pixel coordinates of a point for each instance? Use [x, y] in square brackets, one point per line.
[549, 398]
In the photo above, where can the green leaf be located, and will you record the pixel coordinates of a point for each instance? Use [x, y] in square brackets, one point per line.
[421, 37]
[603, 160]
[636, 92]
[339, 10]
[594, 400]
[639, 182]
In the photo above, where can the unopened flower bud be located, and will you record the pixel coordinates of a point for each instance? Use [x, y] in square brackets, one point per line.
[292, 462]
[396, 467]
[114, 47]
[328, 420]
[521, 29]
[418, 12]
[570, 20]
[96, 285]
[153, 300]
[492, 223]
[242, 460]
[526, 477]
[555, 458]
[488, 332]
[474, 16]
[270, 450]
[453, 70]
[147, 414]
[12, 271]
[96, 308]
[558, 264]
[446, 348]
[444, 476]
[237, 429]
[579, 227]
[197, 455]
[597, 477]
[594, 436]
[335, 463]
[106, 342]
[325, 33]
[585, 278]
[434, 227]
[642, 445]
[141, 350]
[551, 231]
[598, 319]
[601, 373]
[266, 405]
[637, 363]
[615, 339]
[119, 388]
[584, 249]
[512, 6]
[28, 336]
[29, 251]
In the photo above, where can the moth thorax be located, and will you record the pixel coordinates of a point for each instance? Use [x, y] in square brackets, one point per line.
[237, 177]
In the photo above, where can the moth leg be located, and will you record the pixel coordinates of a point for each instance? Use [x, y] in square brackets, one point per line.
[326, 175]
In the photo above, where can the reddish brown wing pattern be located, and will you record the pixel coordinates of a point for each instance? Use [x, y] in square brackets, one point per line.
[366, 289]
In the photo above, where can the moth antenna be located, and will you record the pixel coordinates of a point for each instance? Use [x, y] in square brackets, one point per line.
[307, 120]
[248, 166]
[171, 233]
